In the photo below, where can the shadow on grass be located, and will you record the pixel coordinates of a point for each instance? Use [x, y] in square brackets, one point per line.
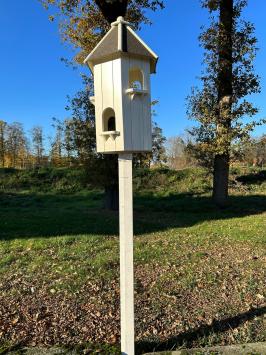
[253, 178]
[25, 215]
[178, 211]
[186, 339]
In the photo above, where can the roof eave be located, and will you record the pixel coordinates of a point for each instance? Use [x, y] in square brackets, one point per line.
[91, 63]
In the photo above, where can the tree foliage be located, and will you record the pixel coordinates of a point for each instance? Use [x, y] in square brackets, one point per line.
[80, 128]
[221, 105]
[3, 125]
[252, 152]
[178, 152]
[38, 143]
[83, 25]
[215, 133]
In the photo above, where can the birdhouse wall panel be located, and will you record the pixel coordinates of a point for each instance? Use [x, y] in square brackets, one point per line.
[147, 129]
[108, 100]
[118, 93]
[107, 85]
[98, 106]
[109, 108]
[126, 105]
[147, 108]
[136, 106]
[136, 123]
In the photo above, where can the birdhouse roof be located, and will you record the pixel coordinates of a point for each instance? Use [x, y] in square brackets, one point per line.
[121, 40]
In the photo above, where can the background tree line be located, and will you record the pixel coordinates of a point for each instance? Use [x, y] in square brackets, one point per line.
[73, 145]
[185, 151]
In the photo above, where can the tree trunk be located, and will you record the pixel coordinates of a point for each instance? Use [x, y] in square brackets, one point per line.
[2, 143]
[225, 92]
[111, 198]
[220, 180]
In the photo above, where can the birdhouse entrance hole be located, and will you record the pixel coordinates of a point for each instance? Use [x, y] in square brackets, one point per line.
[109, 120]
[136, 79]
[109, 123]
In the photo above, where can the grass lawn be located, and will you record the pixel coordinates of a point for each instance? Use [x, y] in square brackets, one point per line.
[199, 272]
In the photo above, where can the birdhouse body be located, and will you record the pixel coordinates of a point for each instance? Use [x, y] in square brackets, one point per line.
[122, 98]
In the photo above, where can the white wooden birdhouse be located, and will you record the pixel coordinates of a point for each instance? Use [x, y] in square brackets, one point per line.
[121, 64]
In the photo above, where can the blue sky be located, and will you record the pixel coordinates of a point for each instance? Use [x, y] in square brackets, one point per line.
[34, 82]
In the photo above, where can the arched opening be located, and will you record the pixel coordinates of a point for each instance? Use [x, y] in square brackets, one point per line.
[136, 79]
[109, 123]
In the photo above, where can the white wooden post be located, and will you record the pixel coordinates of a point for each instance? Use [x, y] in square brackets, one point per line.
[126, 254]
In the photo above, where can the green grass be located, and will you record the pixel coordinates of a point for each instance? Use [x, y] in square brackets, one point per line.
[199, 271]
